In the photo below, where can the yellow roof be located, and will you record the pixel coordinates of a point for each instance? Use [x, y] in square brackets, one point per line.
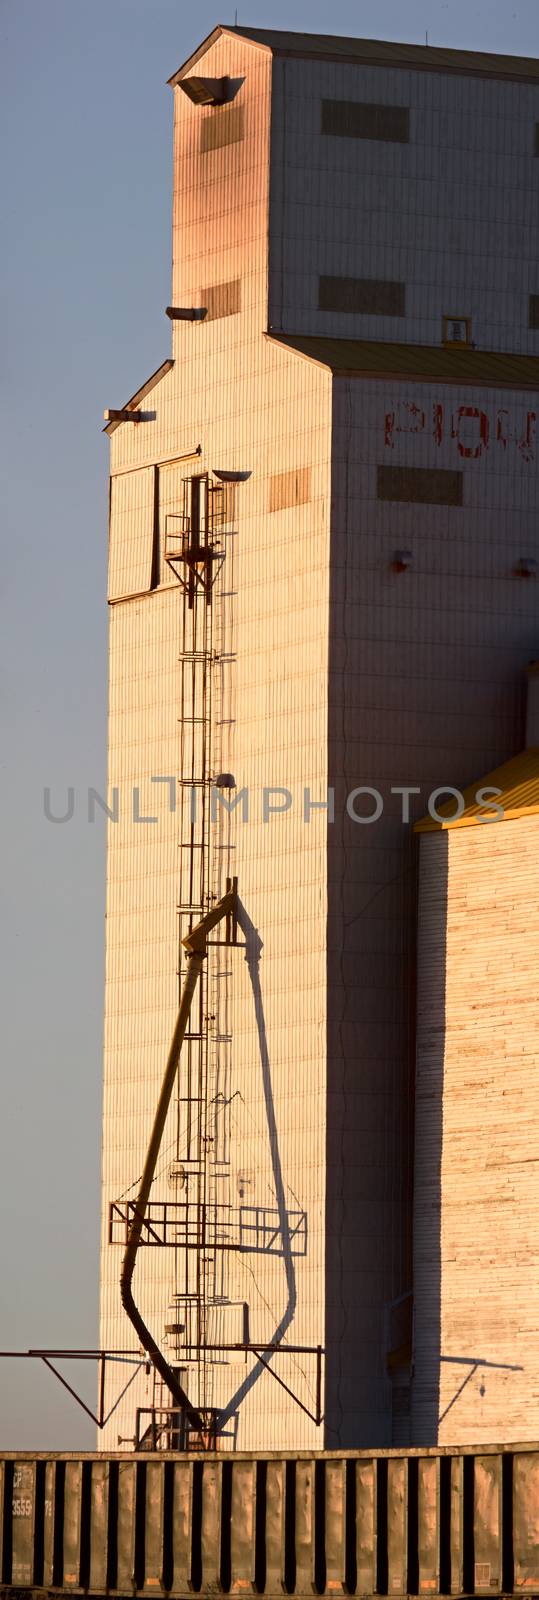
[518, 783]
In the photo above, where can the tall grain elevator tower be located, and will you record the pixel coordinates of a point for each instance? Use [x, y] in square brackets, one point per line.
[323, 545]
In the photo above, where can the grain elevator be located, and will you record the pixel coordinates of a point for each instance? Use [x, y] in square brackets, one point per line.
[323, 599]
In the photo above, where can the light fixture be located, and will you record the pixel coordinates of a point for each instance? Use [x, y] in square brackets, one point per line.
[402, 559]
[122, 415]
[225, 476]
[186, 313]
[224, 780]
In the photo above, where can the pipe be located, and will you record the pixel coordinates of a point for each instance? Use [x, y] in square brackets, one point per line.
[196, 946]
[128, 1265]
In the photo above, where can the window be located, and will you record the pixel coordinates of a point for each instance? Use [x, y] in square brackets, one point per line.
[353, 119]
[420, 485]
[457, 330]
[290, 488]
[371, 296]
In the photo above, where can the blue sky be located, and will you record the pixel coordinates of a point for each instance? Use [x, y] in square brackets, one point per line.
[84, 279]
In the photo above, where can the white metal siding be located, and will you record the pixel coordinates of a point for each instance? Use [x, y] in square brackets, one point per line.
[454, 213]
[477, 1142]
[131, 531]
[270, 615]
[328, 667]
[426, 687]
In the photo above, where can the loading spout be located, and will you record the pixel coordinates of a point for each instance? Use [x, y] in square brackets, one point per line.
[195, 944]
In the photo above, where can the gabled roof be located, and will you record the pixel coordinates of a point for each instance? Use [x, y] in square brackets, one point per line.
[357, 358]
[131, 405]
[518, 781]
[373, 52]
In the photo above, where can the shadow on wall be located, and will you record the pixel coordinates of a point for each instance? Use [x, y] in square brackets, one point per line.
[370, 1081]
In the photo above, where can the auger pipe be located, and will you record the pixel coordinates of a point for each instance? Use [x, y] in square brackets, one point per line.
[196, 946]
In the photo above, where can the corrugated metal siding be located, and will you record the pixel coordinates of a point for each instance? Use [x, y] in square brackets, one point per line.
[141, 993]
[374, 296]
[420, 485]
[381, 679]
[238, 394]
[222, 299]
[477, 1147]
[131, 532]
[221, 126]
[352, 119]
[289, 488]
[426, 686]
[415, 212]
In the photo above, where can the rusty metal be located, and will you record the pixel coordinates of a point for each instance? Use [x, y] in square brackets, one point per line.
[47, 1357]
[392, 1522]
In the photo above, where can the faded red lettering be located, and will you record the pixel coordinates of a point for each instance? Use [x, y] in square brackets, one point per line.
[471, 452]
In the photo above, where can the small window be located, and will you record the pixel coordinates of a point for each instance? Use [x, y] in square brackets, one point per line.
[457, 330]
[536, 140]
[420, 485]
[353, 119]
[370, 296]
[289, 488]
[533, 319]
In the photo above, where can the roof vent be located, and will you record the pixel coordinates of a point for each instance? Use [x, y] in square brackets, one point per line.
[205, 91]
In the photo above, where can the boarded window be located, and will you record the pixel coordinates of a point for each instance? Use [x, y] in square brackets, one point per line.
[420, 485]
[371, 296]
[290, 488]
[352, 119]
[534, 311]
[131, 533]
[171, 518]
[221, 299]
[220, 127]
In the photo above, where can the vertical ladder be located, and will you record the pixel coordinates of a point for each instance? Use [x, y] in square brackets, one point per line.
[192, 1175]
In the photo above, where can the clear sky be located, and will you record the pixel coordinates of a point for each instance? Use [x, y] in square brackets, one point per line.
[85, 278]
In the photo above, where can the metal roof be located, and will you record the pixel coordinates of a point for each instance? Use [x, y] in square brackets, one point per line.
[357, 358]
[518, 782]
[373, 52]
[134, 401]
